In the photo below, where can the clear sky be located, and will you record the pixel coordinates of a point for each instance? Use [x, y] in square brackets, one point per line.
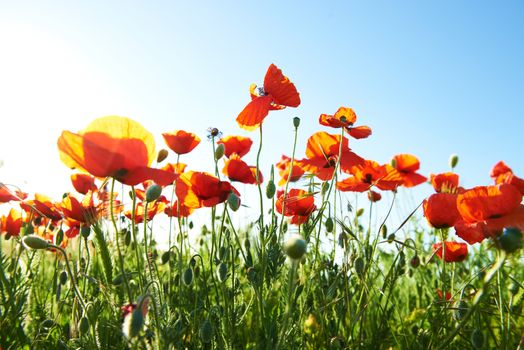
[431, 78]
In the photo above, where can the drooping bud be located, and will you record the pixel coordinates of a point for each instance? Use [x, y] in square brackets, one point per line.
[187, 277]
[461, 309]
[295, 247]
[222, 272]
[35, 242]
[59, 237]
[153, 192]
[296, 122]
[453, 161]
[359, 265]
[162, 154]
[510, 240]
[219, 151]
[233, 201]
[206, 331]
[63, 277]
[415, 261]
[83, 325]
[329, 224]
[477, 339]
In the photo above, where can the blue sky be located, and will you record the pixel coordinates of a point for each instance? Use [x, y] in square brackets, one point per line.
[431, 78]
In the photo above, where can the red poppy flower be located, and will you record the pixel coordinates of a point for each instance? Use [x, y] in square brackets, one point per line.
[298, 204]
[345, 117]
[236, 144]
[374, 196]
[113, 147]
[501, 173]
[284, 169]
[83, 183]
[12, 223]
[175, 168]
[453, 251]
[440, 210]
[488, 202]
[472, 233]
[180, 141]
[407, 166]
[178, 211]
[445, 182]
[441, 295]
[140, 214]
[42, 206]
[322, 155]
[7, 195]
[237, 170]
[84, 212]
[278, 92]
[200, 189]
[369, 174]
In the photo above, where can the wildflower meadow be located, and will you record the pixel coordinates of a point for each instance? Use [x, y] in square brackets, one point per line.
[317, 265]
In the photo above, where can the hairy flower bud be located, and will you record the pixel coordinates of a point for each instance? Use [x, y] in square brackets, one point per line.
[295, 247]
[453, 161]
[162, 154]
[35, 242]
[153, 192]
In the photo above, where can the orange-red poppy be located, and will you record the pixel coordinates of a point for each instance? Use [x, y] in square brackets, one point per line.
[284, 168]
[7, 195]
[115, 147]
[440, 210]
[298, 204]
[176, 168]
[83, 183]
[11, 224]
[278, 92]
[178, 210]
[453, 251]
[236, 144]
[152, 210]
[199, 189]
[374, 196]
[237, 170]
[488, 202]
[445, 182]
[180, 141]
[345, 117]
[84, 212]
[407, 165]
[322, 154]
[472, 233]
[42, 206]
[501, 173]
[368, 174]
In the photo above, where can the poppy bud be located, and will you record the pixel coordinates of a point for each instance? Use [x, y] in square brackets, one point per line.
[219, 151]
[63, 277]
[329, 224]
[222, 272]
[325, 187]
[247, 244]
[391, 238]
[393, 163]
[461, 308]
[165, 257]
[270, 189]
[83, 325]
[359, 212]
[206, 332]
[453, 161]
[162, 154]
[510, 240]
[514, 288]
[133, 323]
[295, 247]
[384, 231]
[35, 242]
[477, 339]
[359, 265]
[85, 231]
[153, 192]
[296, 122]
[187, 277]
[233, 201]
[59, 237]
[127, 237]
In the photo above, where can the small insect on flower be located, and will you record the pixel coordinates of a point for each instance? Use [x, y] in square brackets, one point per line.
[213, 133]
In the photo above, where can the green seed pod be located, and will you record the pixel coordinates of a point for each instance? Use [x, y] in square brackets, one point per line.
[384, 231]
[219, 151]
[233, 201]
[153, 192]
[477, 339]
[391, 238]
[206, 332]
[329, 224]
[270, 189]
[453, 161]
[47, 323]
[510, 240]
[359, 212]
[35, 242]
[63, 277]
[359, 265]
[325, 188]
[59, 237]
[127, 238]
[85, 231]
[461, 309]
[222, 272]
[83, 325]
[222, 253]
[295, 247]
[296, 122]
[187, 277]
[191, 225]
[165, 257]
[162, 155]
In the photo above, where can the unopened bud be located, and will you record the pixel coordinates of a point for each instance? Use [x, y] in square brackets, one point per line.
[35, 242]
[153, 192]
[162, 154]
[477, 339]
[270, 189]
[295, 247]
[222, 272]
[453, 161]
[219, 151]
[233, 201]
[359, 212]
[415, 261]
[393, 162]
[510, 240]
[329, 224]
[359, 265]
[206, 332]
[85, 231]
[296, 122]
[83, 325]
[187, 277]
[63, 277]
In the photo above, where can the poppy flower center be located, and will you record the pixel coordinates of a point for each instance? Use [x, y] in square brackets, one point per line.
[368, 178]
[331, 162]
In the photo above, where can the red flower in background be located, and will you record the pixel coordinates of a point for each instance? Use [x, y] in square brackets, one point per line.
[7, 195]
[42, 206]
[345, 117]
[236, 144]
[374, 196]
[501, 173]
[284, 168]
[140, 212]
[453, 251]
[113, 147]
[83, 183]
[322, 154]
[440, 210]
[11, 224]
[407, 166]
[180, 141]
[237, 170]
[178, 210]
[278, 92]
[298, 204]
[200, 189]
[369, 174]
[445, 182]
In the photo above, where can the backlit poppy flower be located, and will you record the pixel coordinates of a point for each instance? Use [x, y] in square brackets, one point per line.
[407, 166]
[298, 204]
[369, 174]
[472, 233]
[83, 212]
[322, 155]
[11, 224]
[445, 182]
[178, 210]
[440, 210]
[237, 170]
[83, 183]
[501, 173]
[453, 251]
[7, 195]
[345, 117]
[374, 196]
[42, 206]
[180, 141]
[278, 92]
[115, 147]
[176, 168]
[236, 144]
[284, 169]
[199, 189]
[488, 202]
[152, 210]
